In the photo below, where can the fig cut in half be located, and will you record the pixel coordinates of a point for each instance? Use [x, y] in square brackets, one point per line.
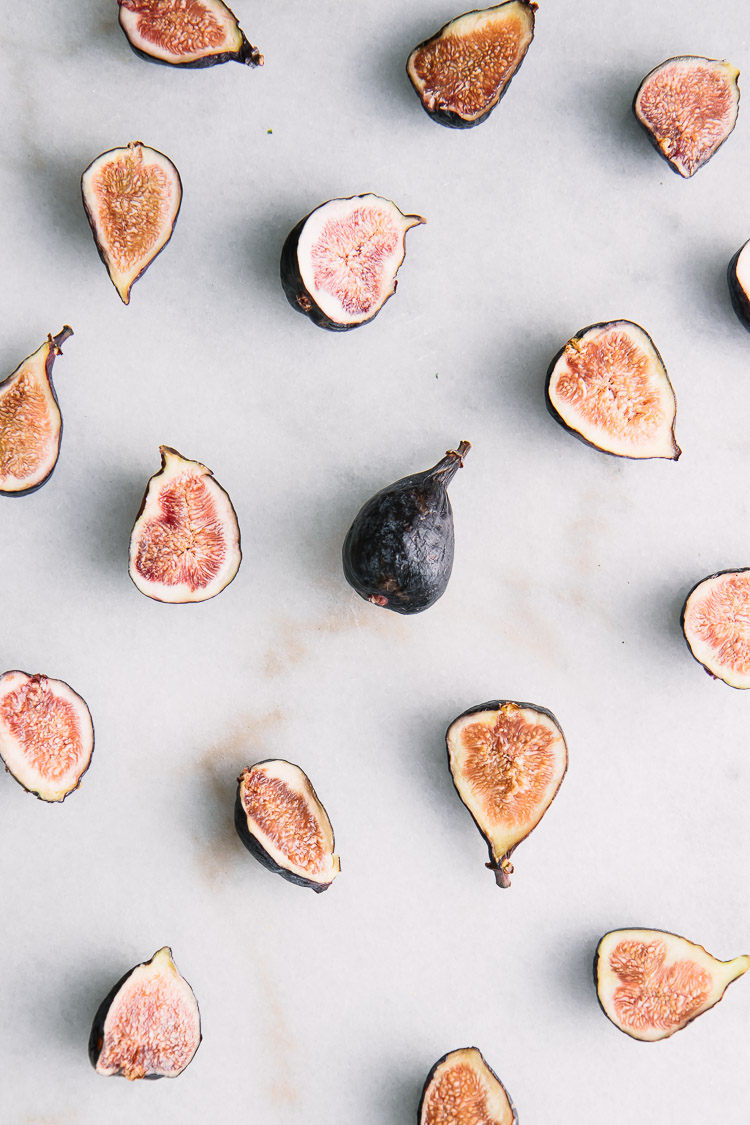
[738, 276]
[339, 264]
[507, 761]
[608, 386]
[281, 821]
[46, 734]
[132, 198]
[30, 420]
[462, 72]
[688, 106]
[651, 983]
[185, 543]
[398, 553]
[716, 624]
[149, 1025]
[461, 1089]
[186, 33]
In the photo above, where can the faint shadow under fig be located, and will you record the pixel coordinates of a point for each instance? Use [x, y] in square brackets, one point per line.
[111, 518]
[69, 1012]
[54, 183]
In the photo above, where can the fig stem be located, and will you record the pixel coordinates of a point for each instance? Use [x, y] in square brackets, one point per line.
[461, 452]
[64, 334]
[502, 872]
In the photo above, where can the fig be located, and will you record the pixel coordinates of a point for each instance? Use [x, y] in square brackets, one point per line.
[738, 276]
[30, 420]
[461, 1089]
[462, 71]
[281, 821]
[149, 1025]
[651, 983]
[132, 198]
[339, 264]
[185, 542]
[46, 734]
[398, 553]
[716, 624]
[186, 33]
[507, 761]
[688, 106]
[608, 386]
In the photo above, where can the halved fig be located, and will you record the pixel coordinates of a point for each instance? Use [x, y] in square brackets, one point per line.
[339, 264]
[132, 197]
[507, 761]
[608, 386]
[149, 1025]
[651, 983]
[281, 821]
[738, 276]
[30, 420]
[398, 553]
[186, 33]
[716, 624]
[46, 734]
[462, 72]
[185, 542]
[688, 106]
[461, 1089]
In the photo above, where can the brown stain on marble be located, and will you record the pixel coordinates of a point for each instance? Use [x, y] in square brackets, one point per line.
[282, 1087]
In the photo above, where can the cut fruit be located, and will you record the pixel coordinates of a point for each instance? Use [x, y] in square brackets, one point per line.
[738, 276]
[46, 734]
[185, 543]
[608, 386]
[132, 197]
[507, 761]
[149, 1025]
[186, 33]
[30, 420]
[688, 106]
[398, 553]
[282, 823]
[716, 624]
[339, 264]
[651, 983]
[462, 72]
[461, 1089]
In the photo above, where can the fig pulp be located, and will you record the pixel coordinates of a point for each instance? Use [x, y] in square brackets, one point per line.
[186, 33]
[398, 553]
[132, 198]
[46, 734]
[688, 106]
[608, 386]
[507, 761]
[716, 624]
[149, 1025]
[461, 1089]
[281, 821]
[339, 264]
[185, 543]
[462, 72]
[30, 420]
[738, 276]
[651, 983]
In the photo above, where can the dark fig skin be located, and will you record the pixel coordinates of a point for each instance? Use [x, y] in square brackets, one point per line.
[740, 299]
[446, 116]
[247, 54]
[440, 1062]
[257, 850]
[58, 341]
[707, 578]
[561, 421]
[502, 874]
[398, 553]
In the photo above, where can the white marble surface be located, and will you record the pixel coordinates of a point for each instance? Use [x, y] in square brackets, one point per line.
[570, 571]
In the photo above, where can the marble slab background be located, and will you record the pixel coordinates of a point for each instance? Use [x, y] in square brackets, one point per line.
[570, 572]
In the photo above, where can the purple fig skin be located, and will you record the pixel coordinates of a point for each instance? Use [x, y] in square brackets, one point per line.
[739, 296]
